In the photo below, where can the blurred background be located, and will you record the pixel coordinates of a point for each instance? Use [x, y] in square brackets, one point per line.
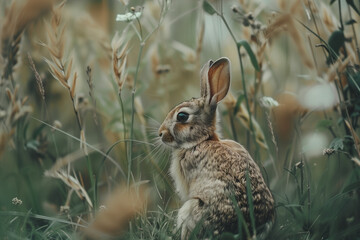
[86, 84]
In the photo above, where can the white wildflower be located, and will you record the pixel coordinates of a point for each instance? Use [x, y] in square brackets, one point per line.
[102, 208]
[127, 17]
[15, 201]
[268, 102]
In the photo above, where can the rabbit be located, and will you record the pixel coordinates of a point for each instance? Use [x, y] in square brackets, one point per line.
[208, 172]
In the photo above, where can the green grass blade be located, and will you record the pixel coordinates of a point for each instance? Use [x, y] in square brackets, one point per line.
[246, 45]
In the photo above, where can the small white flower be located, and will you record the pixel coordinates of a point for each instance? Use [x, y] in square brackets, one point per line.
[127, 17]
[15, 201]
[328, 151]
[102, 208]
[268, 102]
[64, 209]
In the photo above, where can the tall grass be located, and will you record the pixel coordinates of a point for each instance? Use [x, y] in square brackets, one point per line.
[82, 96]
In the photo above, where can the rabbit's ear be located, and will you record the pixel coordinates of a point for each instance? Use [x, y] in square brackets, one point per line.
[215, 84]
[204, 81]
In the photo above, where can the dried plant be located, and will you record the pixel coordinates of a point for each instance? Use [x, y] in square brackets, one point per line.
[59, 69]
[119, 56]
[72, 182]
[243, 115]
[90, 83]
[120, 207]
[39, 81]
[17, 111]
[286, 20]
[17, 18]
[286, 115]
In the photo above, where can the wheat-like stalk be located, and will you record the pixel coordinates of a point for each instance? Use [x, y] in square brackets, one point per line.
[59, 69]
[39, 81]
[63, 72]
[16, 111]
[119, 57]
[286, 20]
[17, 18]
[244, 117]
[71, 182]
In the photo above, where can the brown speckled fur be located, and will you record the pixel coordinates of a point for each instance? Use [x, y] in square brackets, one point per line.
[206, 170]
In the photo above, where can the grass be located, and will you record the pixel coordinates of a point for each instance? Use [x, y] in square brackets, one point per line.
[80, 106]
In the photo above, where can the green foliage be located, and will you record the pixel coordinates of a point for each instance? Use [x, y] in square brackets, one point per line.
[337, 144]
[336, 41]
[246, 45]
[208, 8]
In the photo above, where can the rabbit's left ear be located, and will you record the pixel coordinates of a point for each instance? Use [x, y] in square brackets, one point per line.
[215, 80]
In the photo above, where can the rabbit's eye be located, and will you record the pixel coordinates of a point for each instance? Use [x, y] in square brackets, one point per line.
[182, 117]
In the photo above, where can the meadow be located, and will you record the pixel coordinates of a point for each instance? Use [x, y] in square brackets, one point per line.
[85, 86]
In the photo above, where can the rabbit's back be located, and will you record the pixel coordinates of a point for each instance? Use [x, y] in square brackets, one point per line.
[212, 172]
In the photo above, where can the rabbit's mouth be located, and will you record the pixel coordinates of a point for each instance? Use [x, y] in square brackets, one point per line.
[167, 138]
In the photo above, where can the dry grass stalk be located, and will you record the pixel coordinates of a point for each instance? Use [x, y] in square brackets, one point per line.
[243, 116]
[199, 44]
[39, 81]
[140, 110]
[16, 111]
[356, 160]
[9, 51]
[71, 182]
[328, 19]
[260, 53]
[121, 206]
[354, 135]
[119, 55]
[286, 20]
[16, 20]
[56, 47]
[311, 6]
[338, 68]
[83, 142]
[66, 160]
[20, 15]
[91, 92]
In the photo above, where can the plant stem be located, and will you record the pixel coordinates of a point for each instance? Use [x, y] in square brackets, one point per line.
[340, 16]
[124, 124]
[354, 34]
[221, 15]
[92, 180]
[89, 166]
[232, 124]
[142, 44]
[133, 110]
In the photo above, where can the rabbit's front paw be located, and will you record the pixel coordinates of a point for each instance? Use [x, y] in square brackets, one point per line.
[189, 215]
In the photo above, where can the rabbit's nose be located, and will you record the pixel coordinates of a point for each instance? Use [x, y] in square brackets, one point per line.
[162, 132]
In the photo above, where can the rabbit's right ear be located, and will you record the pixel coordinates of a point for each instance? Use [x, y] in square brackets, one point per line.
[215, 80]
